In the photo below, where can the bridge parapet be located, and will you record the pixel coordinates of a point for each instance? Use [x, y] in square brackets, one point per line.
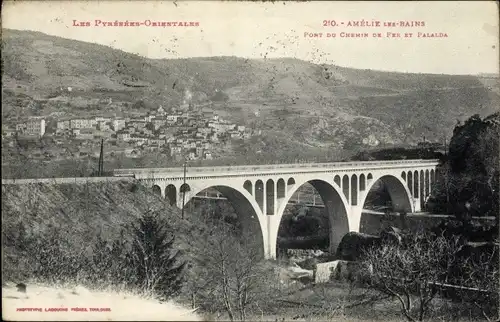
[77, 180]
[261, 169]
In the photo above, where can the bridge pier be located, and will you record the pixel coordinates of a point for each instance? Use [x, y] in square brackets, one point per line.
[264, 199]
[417, 205]
[273, 223]
[355, 217]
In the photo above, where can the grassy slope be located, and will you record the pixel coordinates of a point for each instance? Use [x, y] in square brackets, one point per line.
[81, 212]
[311, 105]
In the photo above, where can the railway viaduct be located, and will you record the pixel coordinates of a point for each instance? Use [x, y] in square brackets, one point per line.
[259, 194]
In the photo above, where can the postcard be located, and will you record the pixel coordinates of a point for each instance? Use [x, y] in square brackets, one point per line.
[250, 160]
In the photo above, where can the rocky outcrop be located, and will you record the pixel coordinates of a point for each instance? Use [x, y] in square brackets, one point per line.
[336, 270]
[296, 273]
[324, 271]
[353, 244]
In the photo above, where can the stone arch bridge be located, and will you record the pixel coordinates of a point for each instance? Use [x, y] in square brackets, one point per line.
[260, 194]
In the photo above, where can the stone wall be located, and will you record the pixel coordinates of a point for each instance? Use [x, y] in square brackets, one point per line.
[373, 224]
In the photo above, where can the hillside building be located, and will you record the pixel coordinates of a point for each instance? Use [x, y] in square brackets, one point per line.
[32, 127]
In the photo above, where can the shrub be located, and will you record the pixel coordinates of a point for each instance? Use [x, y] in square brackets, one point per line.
[141, 259]
[424, 267]
[230, 273]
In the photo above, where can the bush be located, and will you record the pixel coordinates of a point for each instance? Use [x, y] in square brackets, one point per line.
[229, 273]
[426, 266]
[54, 260]
[141, 259]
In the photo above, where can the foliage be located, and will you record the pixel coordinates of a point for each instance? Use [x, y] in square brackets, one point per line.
[142, 258]
[482, 273]
[220, 97]
[53, 259]
[304, 221]
[156, 268]
[398, 154]
[422, 268]
[469, 181]
[138, 105]
[229, 273]
[107, 261]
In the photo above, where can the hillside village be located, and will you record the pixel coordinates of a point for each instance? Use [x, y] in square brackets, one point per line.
[184, 133]
[305, 111]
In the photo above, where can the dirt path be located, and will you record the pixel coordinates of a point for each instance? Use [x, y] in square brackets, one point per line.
[42, 303]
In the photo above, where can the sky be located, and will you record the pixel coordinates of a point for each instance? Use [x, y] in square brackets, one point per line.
[272, 30]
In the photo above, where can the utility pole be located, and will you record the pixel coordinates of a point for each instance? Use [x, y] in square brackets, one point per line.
[445, 147]
[183, 190]
[101, 160]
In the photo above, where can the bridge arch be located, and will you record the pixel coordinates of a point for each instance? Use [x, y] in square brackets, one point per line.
[409, 181]
[245, 207]
[184, 191]
[336, 206]
[345, 186]
[280, 189]
[171, 194]
[270, 197]
[259, 194]
[415, 184]
[427, 185]
[185, 188]
[422, 185]
[337, 181]
[398, 191]
[157, 190]
[362, 182]
[354, 190]
[248, 186]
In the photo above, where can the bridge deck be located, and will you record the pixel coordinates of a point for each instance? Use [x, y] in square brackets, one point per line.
[122, 174]
[78, 180]
[282, 168]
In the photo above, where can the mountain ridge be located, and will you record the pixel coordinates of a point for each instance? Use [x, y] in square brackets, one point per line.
[309, 104]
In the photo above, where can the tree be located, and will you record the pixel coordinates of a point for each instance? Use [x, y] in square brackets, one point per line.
[480, 282]
[426, 266]
[140, 104]
[412, 270]
[230, 273]
[469, 182]
[487, 150]
[156, 266]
